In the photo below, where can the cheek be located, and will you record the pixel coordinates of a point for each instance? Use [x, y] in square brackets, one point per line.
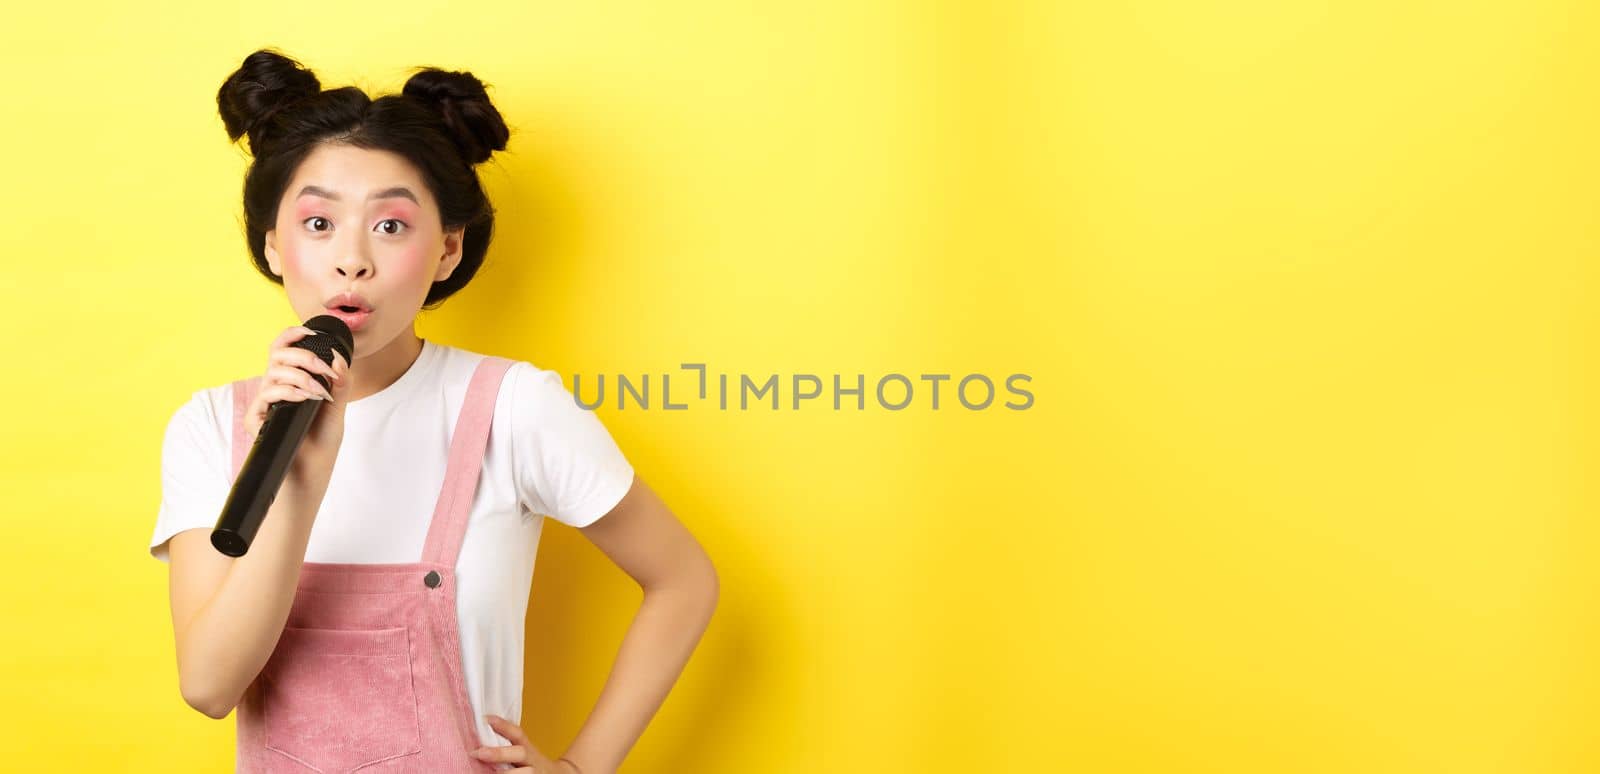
[292, 250]
[410, 266]
[294, 263]
[293, 260]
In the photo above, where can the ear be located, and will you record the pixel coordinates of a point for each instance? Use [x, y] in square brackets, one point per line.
[273, 262]
[448, 262]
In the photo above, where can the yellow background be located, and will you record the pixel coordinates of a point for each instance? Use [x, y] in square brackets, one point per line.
[1305, 290]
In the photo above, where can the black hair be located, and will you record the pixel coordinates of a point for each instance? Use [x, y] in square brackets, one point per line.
[442, 122]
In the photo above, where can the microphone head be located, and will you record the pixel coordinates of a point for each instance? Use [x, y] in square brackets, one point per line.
[332, 336]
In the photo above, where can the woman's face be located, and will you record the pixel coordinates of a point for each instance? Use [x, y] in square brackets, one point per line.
[360, 221]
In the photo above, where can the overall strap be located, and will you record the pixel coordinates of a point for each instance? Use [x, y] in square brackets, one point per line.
[467, 444]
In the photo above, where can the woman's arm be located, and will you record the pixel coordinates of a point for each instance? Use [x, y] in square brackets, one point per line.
[680, 592]
[227, 613]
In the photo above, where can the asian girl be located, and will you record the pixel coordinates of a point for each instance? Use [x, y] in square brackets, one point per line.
[377, 621]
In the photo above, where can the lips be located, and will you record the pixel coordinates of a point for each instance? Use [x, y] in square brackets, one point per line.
[351, 308]
[353, 300]
[355, 320]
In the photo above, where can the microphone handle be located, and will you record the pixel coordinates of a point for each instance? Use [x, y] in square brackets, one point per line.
[262, 473]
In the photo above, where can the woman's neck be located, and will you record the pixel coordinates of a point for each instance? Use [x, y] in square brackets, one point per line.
[372, 373]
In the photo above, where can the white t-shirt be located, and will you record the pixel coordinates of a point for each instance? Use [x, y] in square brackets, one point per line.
[545, 455]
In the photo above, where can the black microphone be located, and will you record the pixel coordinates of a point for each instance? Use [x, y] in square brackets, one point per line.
[285, 427]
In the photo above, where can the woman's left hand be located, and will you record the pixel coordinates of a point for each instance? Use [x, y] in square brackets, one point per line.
[520, 751]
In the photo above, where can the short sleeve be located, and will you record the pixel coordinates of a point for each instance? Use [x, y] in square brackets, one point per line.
[195, 466]
[568, 466]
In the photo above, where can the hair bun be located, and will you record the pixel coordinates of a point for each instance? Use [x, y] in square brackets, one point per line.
[472, 120]
[263, 85]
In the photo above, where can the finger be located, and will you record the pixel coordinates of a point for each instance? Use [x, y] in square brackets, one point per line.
[303, 359]
[282, 393]
[278, 393]
[290, 335]
[336, 366]
[512, 754]
[508, 729]
[256, 416]
[310, 384]
[294, 376]
[293, 390]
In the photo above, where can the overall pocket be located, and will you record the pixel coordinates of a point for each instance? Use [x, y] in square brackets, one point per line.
[340, 699]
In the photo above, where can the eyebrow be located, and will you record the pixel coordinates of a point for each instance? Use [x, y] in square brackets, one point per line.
[387, 193]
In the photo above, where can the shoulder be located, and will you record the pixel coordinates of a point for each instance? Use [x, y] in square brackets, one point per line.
[566, 463]
[539, 401]
[207, 407]
[532, 399]
[530, 383]
[206, 418]
[198, 429]
[525, 386]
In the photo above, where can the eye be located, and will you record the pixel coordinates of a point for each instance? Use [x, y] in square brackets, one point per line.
[316, 217]
[398, 225]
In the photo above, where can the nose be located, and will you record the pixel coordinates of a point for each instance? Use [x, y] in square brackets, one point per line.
[353, 262]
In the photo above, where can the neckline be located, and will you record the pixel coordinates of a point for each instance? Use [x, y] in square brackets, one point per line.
[397, 389]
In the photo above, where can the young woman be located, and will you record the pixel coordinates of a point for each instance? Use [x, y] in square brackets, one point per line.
[376, 622]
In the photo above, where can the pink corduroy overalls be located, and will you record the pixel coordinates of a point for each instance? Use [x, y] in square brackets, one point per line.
[367, 674]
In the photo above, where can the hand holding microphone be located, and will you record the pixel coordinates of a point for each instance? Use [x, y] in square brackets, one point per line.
[296, 433]
[289, 378]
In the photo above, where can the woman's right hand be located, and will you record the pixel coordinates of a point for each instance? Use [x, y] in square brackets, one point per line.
[288, 378]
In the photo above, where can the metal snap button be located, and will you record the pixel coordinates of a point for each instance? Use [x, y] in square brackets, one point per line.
[432, 579]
